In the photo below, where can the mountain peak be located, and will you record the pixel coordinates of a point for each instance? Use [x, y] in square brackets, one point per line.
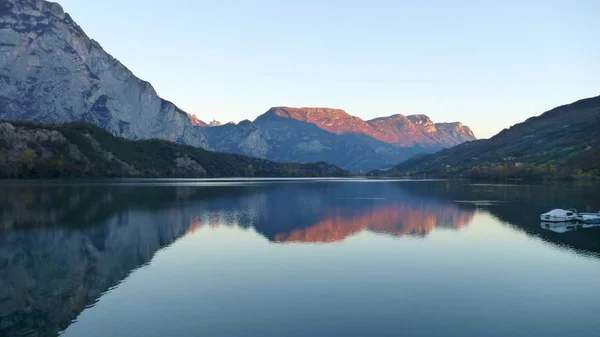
[420, 119]
[41, 6]
[196, 121]
[455, 132]
[394, 117]
[335, 121]
[305, 113]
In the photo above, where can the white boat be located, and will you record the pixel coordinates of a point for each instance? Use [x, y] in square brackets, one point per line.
[559, 215]
[588, 218]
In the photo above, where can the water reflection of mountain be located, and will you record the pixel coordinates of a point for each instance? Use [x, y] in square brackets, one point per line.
[332, 212]
[519, 206]
[63, 246]
[395, 220]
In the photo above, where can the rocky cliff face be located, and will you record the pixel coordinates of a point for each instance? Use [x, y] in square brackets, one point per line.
[420, 130]
[52, 72]
[452, 134]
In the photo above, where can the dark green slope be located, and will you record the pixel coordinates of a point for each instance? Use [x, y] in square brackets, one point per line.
[563, 142]
[82, 150]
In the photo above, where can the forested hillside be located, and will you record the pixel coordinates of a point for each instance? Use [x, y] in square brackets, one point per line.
[82, 150]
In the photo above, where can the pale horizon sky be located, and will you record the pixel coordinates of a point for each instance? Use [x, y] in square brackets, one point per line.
[488, 64]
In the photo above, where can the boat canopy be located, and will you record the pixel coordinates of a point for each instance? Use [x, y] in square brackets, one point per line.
[559, 212]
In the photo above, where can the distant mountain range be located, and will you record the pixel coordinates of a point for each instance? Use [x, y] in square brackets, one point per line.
[563, 142]
[322, 134]
[52, 72]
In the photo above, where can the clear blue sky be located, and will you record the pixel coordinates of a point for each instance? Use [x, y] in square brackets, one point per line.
[489, 64]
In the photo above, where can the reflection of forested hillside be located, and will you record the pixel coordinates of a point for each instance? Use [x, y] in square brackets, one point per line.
[558, 144]
[75, 205]
[520, 206]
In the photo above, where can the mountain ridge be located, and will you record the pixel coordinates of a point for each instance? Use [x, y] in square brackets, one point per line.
[338, 121]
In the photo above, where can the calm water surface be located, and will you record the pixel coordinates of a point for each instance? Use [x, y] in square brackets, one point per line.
[295, 258]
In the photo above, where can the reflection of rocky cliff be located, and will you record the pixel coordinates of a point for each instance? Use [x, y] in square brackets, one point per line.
[395, 220]
[49, 275]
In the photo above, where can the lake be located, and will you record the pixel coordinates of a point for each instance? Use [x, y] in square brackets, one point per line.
[322, 257]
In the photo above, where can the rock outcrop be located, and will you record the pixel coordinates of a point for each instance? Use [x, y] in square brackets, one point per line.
[420, 130]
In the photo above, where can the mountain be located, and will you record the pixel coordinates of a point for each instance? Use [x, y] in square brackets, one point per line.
[51, 72]
[400, 130]
[83, 150]
[323, 134]
[559, 143]
[285, 140]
